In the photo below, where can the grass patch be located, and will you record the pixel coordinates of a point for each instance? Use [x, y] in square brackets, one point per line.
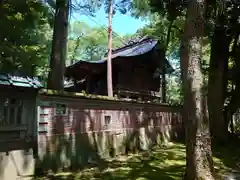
[165, 162]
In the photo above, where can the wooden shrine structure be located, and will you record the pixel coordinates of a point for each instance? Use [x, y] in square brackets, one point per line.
[138, 71]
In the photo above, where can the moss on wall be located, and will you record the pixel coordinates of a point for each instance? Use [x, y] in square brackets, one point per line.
[84, 95]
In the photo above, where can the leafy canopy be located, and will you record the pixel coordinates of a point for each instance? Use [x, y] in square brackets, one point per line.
[24, 35]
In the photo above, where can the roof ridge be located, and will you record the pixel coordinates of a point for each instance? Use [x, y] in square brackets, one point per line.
[143, 40]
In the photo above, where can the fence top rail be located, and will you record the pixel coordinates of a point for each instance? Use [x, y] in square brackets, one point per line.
[77, 96]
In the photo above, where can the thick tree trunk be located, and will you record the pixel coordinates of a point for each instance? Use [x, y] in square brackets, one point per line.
[59, 46]
[198, 142]
[217, 83]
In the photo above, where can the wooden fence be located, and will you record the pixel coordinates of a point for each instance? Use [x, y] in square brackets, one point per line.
[73, 131]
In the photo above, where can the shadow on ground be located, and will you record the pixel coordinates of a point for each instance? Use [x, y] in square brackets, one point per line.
[165, 162]
[227, 157]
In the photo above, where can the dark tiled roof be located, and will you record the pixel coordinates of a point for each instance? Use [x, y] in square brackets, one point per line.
[19, 81]
[135, 49]
[127, 51]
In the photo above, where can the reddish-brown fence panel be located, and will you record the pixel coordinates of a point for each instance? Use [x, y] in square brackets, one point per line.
[83, 129]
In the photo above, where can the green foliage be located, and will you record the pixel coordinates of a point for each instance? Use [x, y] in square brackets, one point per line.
[158, 28]
[24, 35]
[88, 43]
[174, 93]
[83, 7]
[140, 8]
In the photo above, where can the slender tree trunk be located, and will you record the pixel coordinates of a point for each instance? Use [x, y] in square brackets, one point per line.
[198, 142]
[217, 83]
[163, 81]
[59, 46]
[234, 103]
[109, 61]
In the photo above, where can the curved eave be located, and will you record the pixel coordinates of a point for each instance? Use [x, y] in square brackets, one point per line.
[82, 67]
[128, 51]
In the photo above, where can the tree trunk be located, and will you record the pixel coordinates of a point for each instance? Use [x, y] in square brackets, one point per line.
[163, 81]
[109, 61]
[234, 103]
[59, 46]
[198, 142]
[217, 83]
